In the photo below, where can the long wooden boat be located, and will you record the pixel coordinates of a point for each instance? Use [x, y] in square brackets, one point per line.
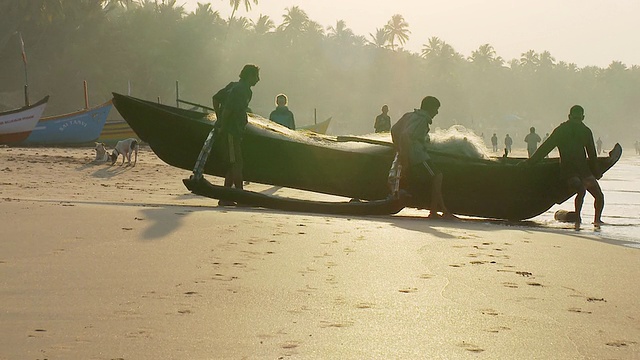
[493, 188]
[80, 127]
[16, 125]
[116, 130]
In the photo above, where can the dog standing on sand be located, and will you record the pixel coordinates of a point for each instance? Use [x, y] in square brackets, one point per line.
[126, 148]
[101, 153]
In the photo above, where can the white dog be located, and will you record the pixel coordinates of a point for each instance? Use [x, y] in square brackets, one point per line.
[126, 148]
[101, 153]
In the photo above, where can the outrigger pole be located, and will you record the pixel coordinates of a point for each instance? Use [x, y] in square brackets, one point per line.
[26, 77]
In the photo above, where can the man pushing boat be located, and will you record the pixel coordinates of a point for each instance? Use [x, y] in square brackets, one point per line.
[230, 104]
[573, 140]
[412, 168]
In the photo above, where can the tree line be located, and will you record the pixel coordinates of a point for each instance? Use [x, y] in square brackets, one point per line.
[145, 46]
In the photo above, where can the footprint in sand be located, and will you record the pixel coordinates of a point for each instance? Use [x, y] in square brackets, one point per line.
[491, 312]
[510, 285]
[497, 329]
[364, 305]
[578, 310]
[620, 343]
[471, 347]
[408, 290]
[340, 324]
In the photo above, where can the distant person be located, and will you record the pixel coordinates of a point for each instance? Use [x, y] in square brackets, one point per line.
[574, 141]
[411, 140]
[494, 142]
[231, 104]
[282, 115]
[637, 144]
[508, 142]
[383, 121]
[532, 139]
[598, 146]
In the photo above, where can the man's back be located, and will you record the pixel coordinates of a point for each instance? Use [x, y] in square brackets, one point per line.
[571, 138]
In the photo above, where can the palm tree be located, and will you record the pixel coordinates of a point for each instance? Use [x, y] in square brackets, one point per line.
[530, 59]
[236, 3]
[263, 25]
[486, 55]
[340, 33]
[380, 39]
[546, 61]
[397, 28]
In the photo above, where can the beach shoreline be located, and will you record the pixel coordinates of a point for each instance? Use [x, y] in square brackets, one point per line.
[121, 262]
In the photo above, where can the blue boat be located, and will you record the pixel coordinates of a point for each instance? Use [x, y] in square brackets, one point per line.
[80, 127]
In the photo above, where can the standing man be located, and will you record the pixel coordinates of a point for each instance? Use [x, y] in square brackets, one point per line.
[494, 142]
[532, 139]
[231, 104]
[598, 146]
[508, 141]
[383, 121]
[410, 137]
[573, 140]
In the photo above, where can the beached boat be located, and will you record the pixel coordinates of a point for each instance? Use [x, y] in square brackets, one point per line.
[493, 188]
[116, 130]
[80, 127]
[16, 125]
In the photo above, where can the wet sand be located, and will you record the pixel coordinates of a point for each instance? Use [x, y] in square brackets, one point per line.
[120, 262]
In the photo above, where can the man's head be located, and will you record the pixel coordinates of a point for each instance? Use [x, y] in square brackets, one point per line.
[576, 113]
[532, 129]
[385, 109]
[251, 74]
[431, 105]
[281, 100]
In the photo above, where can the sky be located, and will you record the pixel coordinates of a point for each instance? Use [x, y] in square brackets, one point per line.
[584, 32]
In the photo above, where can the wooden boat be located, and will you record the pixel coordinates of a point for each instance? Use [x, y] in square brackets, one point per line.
[16, 125]
[319, 128]
[80, 127]
[497, 188]
[115, 131]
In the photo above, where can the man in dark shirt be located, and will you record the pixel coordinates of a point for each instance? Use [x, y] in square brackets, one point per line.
[532, 139]
[282, 115]
[494, 142]
[231, 104]
[383, 121]
[574, 141]
[410, 137]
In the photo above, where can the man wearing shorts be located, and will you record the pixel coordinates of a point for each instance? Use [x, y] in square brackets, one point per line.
[231, 104]
[574, 141]
[410, 137]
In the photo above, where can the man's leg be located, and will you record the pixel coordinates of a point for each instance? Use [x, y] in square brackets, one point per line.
[594, 189]
[576, 184]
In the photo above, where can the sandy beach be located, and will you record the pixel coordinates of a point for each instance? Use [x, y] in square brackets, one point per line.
[120, 262]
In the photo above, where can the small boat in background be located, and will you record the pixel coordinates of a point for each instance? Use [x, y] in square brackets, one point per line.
[116, 130]
[16, 125]
[80, 127]
[319, 128]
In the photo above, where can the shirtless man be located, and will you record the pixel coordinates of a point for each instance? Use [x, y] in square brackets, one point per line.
[574, 141]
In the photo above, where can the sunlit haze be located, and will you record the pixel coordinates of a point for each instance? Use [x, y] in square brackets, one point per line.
[584, 32]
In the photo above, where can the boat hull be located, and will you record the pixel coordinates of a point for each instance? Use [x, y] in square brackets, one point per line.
[115, 131]
[17, 125]
[79, 127]
[495, 188]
